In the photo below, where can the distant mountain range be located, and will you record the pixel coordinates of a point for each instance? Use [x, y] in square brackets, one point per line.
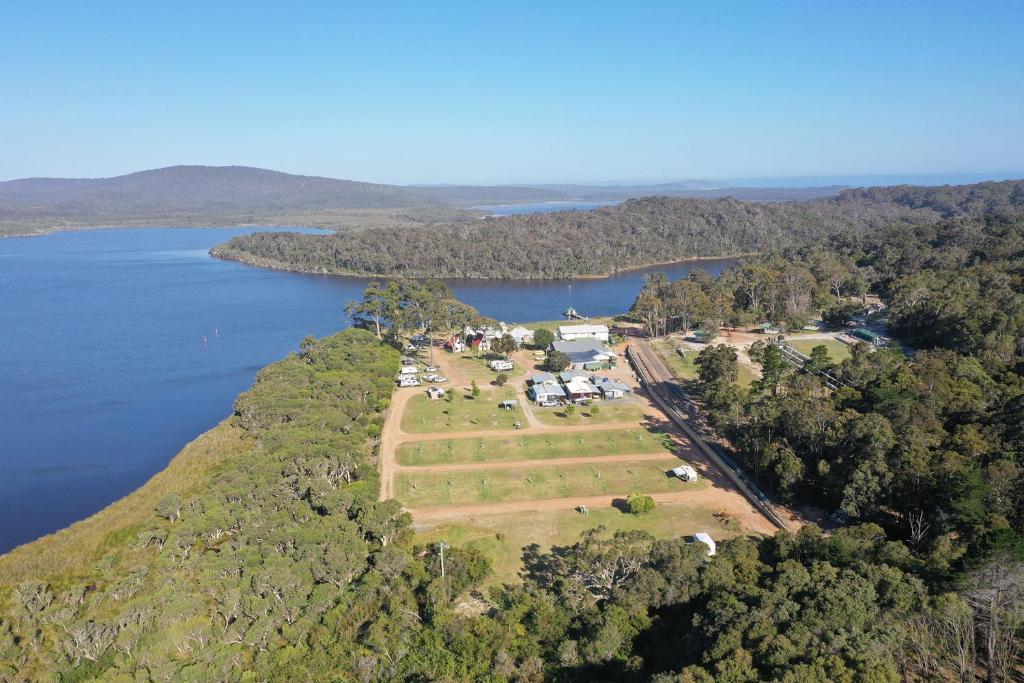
[240, 195]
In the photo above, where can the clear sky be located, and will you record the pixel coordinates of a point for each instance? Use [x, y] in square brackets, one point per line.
[480, 92]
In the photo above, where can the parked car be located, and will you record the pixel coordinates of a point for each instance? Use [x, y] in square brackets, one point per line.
[431, 368]
[439, 378]
[548, 404]
[409, 382]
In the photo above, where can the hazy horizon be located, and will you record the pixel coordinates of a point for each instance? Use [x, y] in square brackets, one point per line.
[856, 180]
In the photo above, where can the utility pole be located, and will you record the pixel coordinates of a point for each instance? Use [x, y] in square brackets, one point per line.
[441, 546]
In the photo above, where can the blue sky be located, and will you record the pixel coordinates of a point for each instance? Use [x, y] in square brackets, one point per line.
[520, 92]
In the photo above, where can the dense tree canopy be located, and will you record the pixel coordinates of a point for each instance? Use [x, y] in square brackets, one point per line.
[603, 241]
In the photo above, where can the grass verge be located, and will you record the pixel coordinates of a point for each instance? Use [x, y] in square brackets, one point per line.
[426, 489]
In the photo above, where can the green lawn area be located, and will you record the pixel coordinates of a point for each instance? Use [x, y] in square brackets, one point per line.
[744, 376]
[553, 325]
[681, 365]
[534, 447]
[837, 350]
[502, 538]
[471, 366]
[618, 410]
[538, 483]
[462, 413]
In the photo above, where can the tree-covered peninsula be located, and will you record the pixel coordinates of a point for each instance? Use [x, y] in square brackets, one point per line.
[603, 241]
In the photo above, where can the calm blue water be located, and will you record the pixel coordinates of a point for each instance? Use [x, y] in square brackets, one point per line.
[544, 207]
[117, 347]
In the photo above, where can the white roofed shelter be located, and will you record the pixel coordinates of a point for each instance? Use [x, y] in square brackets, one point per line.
[573, 332]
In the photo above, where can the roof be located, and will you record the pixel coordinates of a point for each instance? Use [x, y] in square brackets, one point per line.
[583, 330]
[606, 383]
[539, 377]
[548, 389]
[569, 374]
[579, 345]
[865, 333]
[580, 385]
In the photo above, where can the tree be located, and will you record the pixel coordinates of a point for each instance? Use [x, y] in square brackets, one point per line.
[718, 365]
[543, 337]
[995, 593]
[639, 503]
[557, 361]
[505, 345]
[820, 360]
[839, 315]
[774, 366]
[501, 379]
[474, 389]
[570, 410]
[380, 305]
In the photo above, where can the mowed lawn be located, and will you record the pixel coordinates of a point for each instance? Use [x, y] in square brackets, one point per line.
[681, 365]
[474, 367]
[462, 413]
[617, 410]
[503, 538]
[534, 447]
[418, 490]
[837, 350]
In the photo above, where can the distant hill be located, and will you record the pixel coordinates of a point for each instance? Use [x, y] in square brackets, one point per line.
[191, 195]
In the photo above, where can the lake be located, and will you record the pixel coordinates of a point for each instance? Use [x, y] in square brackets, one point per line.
[543, 207]
[119, 346]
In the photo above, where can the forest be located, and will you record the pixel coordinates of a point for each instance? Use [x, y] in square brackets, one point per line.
[604, 241]
[282, 564]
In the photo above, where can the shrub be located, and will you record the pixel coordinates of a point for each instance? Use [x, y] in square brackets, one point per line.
[639, 504]
[501, 379]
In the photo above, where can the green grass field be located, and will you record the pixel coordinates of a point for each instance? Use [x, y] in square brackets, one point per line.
[682, 366]
[502, 538]
[535, 447]
[837, 350]
[618, 410]
[538, 483]
[461, 414]
[474, 367]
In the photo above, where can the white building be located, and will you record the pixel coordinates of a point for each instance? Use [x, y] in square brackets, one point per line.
[521, 335]
[574, 332]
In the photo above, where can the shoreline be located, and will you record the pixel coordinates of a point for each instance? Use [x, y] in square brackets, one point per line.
[270, 264]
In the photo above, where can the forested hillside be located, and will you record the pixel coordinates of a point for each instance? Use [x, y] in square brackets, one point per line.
[603, 241]
[199, 196]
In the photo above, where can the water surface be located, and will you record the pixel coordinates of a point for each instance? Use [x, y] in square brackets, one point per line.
[119, 346]
[543, 207]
